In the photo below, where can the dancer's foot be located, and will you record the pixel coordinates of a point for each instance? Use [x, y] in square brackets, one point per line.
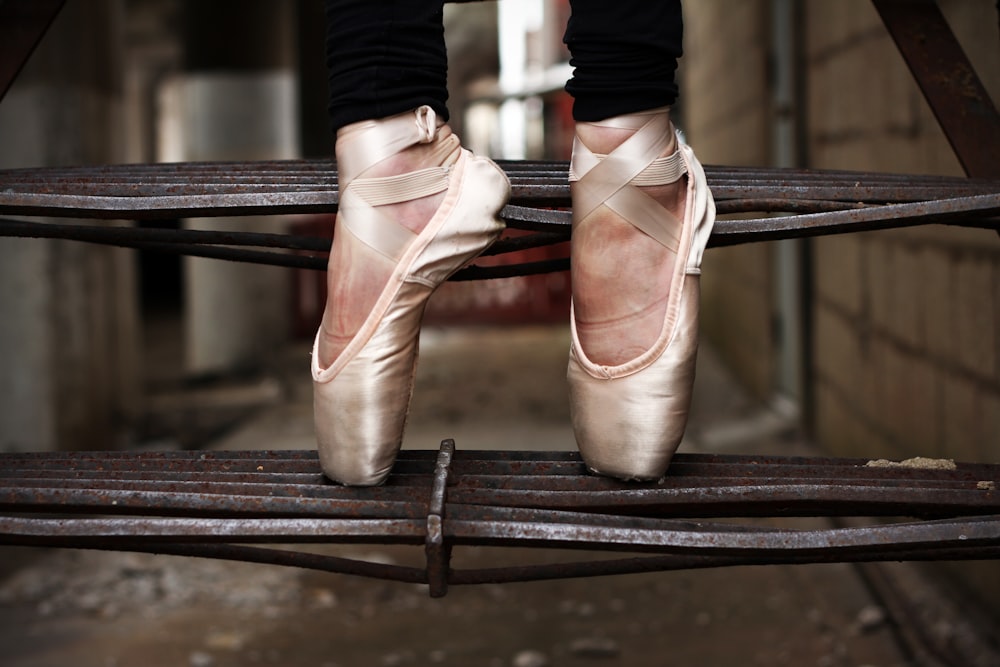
[642, 214]
[414, 208]
[354, 280]
[621, 276]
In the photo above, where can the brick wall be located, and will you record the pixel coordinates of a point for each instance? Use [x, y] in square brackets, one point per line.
[905, 323]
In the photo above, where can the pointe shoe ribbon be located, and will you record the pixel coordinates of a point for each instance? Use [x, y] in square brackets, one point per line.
[613, 180]
[629, 419]
[362, 398]
[363, 145]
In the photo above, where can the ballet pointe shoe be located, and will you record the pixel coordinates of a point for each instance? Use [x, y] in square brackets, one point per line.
[629, 418]
[362, 397]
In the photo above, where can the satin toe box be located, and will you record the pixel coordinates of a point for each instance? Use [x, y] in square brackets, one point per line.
[629, 419]
[360, 414]
[361, 401]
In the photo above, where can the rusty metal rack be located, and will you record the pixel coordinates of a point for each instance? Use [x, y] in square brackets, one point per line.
[817, 202]
[226, 504]
[251, 505]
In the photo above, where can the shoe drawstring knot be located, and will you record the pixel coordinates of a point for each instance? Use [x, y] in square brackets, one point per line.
[427, 124]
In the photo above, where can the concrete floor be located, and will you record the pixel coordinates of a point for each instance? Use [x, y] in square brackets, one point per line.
[487, 389]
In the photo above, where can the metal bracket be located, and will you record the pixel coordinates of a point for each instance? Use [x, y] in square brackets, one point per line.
[948, 80]
[22, 26]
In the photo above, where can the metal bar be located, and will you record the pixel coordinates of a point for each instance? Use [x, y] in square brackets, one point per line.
[437, 551]
[949, 82]
[700, 539]
[14, 530]
[544, 483]
[971, 533]
[206, 189]
[547, 467]
[672, 562]
[815, 218]
[23, 23]
[284, 557]
[171, 503]
[856, 220]
[526, 463]
[525, 573]
[714, 500]
[151, 236]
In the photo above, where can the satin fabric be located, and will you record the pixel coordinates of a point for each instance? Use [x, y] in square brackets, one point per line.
[629, 419]
[362, 399]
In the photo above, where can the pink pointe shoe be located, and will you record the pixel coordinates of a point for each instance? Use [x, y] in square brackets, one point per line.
[362, 398]
[629, 418]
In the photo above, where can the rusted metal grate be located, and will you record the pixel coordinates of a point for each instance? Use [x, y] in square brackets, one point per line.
[225, 504]
[207, 189]
[233, 504]
[823, 202]
[217, 504]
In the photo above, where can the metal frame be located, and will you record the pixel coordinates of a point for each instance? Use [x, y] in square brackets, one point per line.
[228, 504]
[232, 504]
[23, 23]
[824, 202]
[948, 81]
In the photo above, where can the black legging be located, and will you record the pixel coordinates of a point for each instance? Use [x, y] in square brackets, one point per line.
[386, 57]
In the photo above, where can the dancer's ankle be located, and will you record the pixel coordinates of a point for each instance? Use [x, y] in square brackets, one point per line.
[355, 282]
[442, 151]
[621, 276]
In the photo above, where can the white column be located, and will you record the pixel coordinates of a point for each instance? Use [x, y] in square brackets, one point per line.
[516, 19]
[68, 335]
[234, 312]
